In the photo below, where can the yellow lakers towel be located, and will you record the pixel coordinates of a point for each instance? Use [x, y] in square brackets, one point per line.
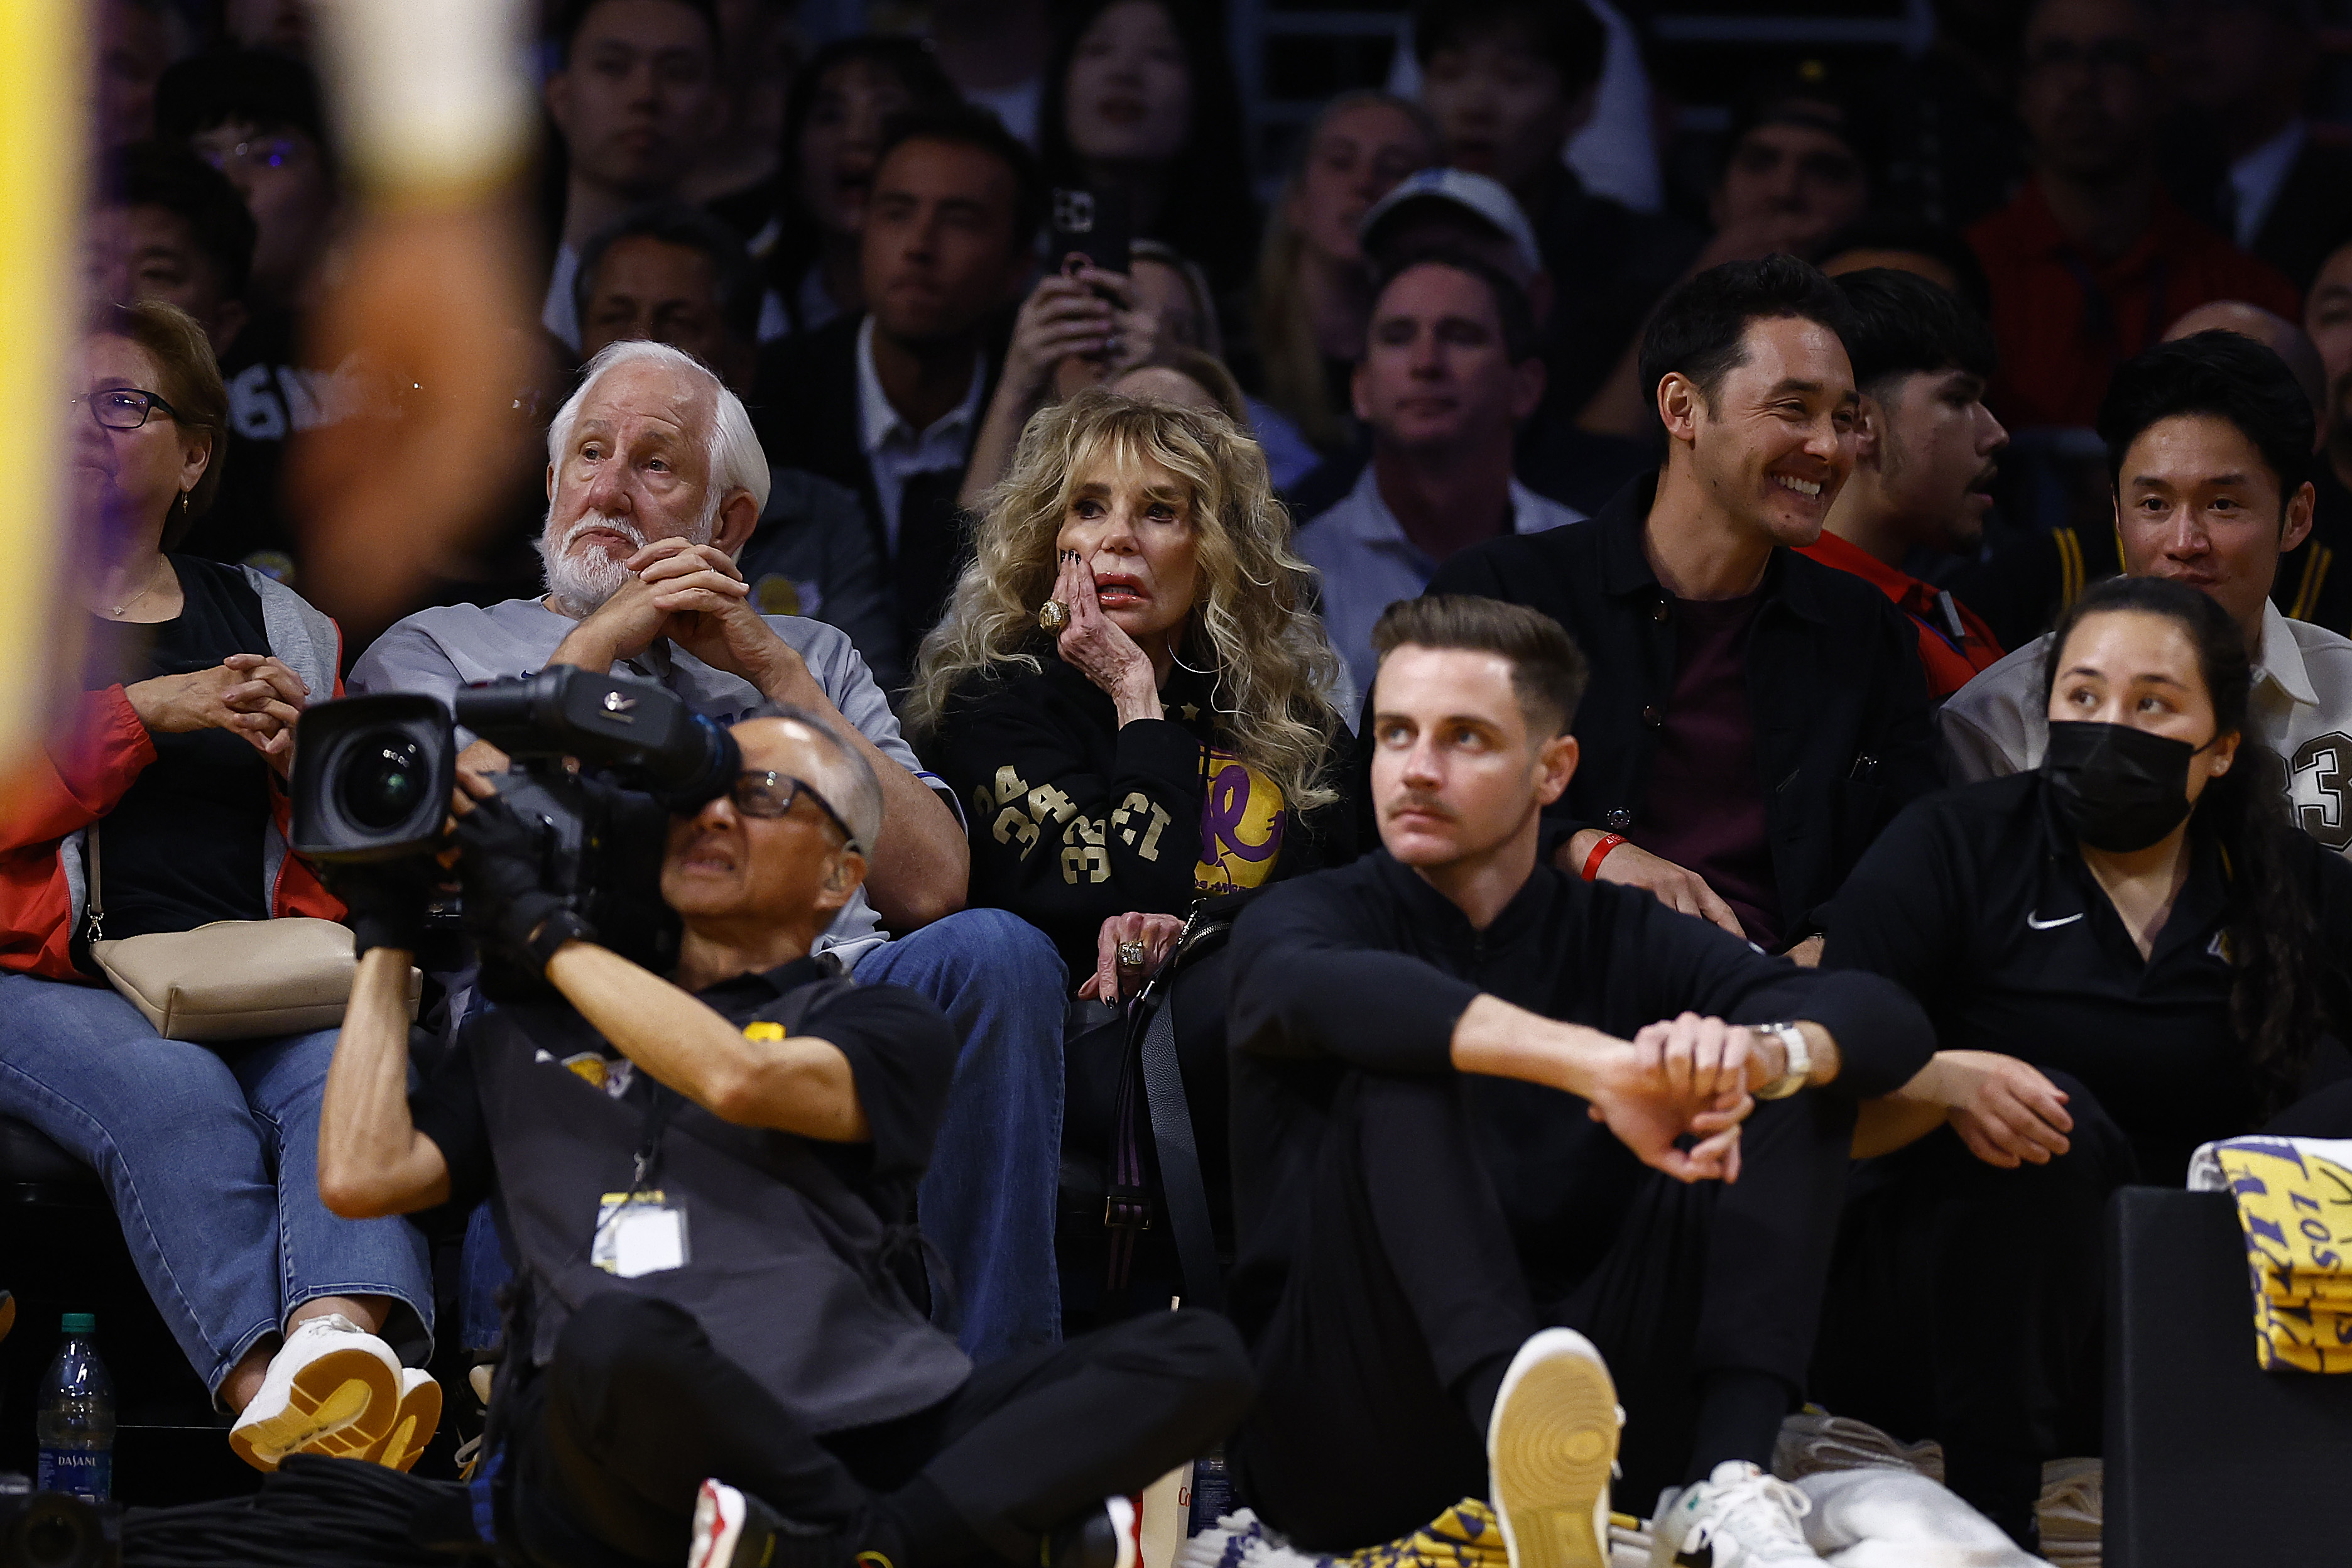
[2295, 1207]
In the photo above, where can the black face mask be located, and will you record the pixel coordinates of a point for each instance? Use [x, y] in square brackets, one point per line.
[2119, 788]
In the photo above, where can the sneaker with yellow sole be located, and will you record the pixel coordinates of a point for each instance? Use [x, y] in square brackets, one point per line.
[1550, 1446]
[333, 1388]
[413, 1423]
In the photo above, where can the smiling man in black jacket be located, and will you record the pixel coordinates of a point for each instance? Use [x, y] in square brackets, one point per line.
[1755, 717]
[1433, 1047]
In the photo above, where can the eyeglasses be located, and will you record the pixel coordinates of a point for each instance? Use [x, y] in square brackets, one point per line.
[771, 793]
[121, 407]
[268, 152]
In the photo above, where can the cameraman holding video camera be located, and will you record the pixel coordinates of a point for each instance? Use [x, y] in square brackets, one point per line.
[655, 481]
[706, 1179]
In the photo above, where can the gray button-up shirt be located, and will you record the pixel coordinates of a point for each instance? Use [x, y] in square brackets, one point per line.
[1367, 563]
[436, 651]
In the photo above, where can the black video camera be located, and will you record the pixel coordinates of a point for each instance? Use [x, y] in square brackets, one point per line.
[601, 763]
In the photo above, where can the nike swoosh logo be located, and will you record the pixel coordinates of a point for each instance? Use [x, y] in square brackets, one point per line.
[2051, 925]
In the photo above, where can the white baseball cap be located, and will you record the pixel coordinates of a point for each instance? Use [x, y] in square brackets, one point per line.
[1486, 198]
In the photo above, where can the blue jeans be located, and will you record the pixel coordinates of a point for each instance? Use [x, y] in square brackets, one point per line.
[211, 1159]
[989, 1199]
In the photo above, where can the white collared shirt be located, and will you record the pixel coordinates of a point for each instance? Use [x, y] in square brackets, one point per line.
[1366, 560]
[2257, 177]
[2301, 708]
[895, 449]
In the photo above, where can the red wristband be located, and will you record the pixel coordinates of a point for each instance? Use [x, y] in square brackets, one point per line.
[1601, 852]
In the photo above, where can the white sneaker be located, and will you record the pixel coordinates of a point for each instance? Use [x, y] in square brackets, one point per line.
[1550, 1446]
[1814, 1443]
[333, 1388]
[412, 1423]
[1881, 1517]
[1739, 1516]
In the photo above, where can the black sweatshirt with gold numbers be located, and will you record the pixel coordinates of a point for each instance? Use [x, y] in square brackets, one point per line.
[1075, 818]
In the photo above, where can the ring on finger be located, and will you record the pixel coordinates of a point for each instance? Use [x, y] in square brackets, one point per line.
[1053, 615]
[1131, 956]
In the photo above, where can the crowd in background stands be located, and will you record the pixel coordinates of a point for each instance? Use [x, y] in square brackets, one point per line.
[714, 181]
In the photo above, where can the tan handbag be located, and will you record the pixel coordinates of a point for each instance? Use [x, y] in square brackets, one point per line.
[233, 980]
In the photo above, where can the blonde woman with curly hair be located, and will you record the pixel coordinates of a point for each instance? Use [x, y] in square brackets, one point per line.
[1128, 691]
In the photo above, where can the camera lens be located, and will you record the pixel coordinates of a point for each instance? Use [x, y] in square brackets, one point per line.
[384, 778]
[54, 1532]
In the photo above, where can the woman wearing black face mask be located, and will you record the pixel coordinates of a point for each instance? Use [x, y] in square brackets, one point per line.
[2126, 953]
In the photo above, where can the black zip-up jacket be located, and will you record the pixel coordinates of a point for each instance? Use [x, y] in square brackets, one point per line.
[1843, 739]
[1075, 818]
[1368, 969]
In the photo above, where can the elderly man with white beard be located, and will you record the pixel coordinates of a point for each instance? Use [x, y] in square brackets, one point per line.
[655, 479]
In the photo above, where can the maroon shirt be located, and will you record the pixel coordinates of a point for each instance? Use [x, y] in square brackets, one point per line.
[1703, 809]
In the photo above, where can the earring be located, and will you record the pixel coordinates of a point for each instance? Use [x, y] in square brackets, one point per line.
[184, 503]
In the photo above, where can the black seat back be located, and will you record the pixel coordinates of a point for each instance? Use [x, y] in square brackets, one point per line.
[2209, 1459]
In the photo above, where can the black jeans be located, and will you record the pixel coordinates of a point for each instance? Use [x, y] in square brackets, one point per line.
[1968, 1304]
[636, 1410]
[1405, 1301]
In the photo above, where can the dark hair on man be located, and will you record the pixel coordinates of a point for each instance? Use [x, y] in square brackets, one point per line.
[798, 239]
[1547, 673]
[969, 125]
[2277, 1004]
[152, 174]
[260, 88]
[1888, 228]
[1905, 325]
[735, 276]
[2223, 375]
[1701, 329]
[1821, 98]
[573, 16]
[1511, 306]
[1564, 33]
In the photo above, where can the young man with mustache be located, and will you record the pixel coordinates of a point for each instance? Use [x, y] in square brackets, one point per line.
[1755, 717]
[1924, 451]
[1461, 1080]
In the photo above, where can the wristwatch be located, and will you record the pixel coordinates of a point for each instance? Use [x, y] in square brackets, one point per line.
[1799, 1065]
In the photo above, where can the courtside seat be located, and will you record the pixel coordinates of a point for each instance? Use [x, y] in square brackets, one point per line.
[2209, 1459]
[29, 1158]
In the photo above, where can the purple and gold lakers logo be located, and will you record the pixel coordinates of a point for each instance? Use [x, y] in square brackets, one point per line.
[1241, 826]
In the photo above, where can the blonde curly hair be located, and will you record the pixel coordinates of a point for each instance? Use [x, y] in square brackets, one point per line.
[1274, 666]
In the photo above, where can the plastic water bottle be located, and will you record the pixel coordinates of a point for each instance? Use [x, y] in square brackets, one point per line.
[77, 1417]
[1213, 1491]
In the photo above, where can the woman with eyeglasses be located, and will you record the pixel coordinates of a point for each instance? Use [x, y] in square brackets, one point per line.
[163, 806]
[2126, 953]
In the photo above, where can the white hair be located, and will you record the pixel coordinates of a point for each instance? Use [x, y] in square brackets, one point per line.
[736, 460]
[737, 463]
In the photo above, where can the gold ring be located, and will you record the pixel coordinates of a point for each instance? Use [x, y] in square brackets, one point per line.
[1131, 955]
[1053, 615]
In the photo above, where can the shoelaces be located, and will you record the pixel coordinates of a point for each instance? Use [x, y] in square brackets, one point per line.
[1760, 1508]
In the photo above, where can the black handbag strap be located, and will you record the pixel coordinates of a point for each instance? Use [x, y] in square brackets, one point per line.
[1186, 1195]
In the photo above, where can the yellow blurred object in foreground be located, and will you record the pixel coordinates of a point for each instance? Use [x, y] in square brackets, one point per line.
[41, 193]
